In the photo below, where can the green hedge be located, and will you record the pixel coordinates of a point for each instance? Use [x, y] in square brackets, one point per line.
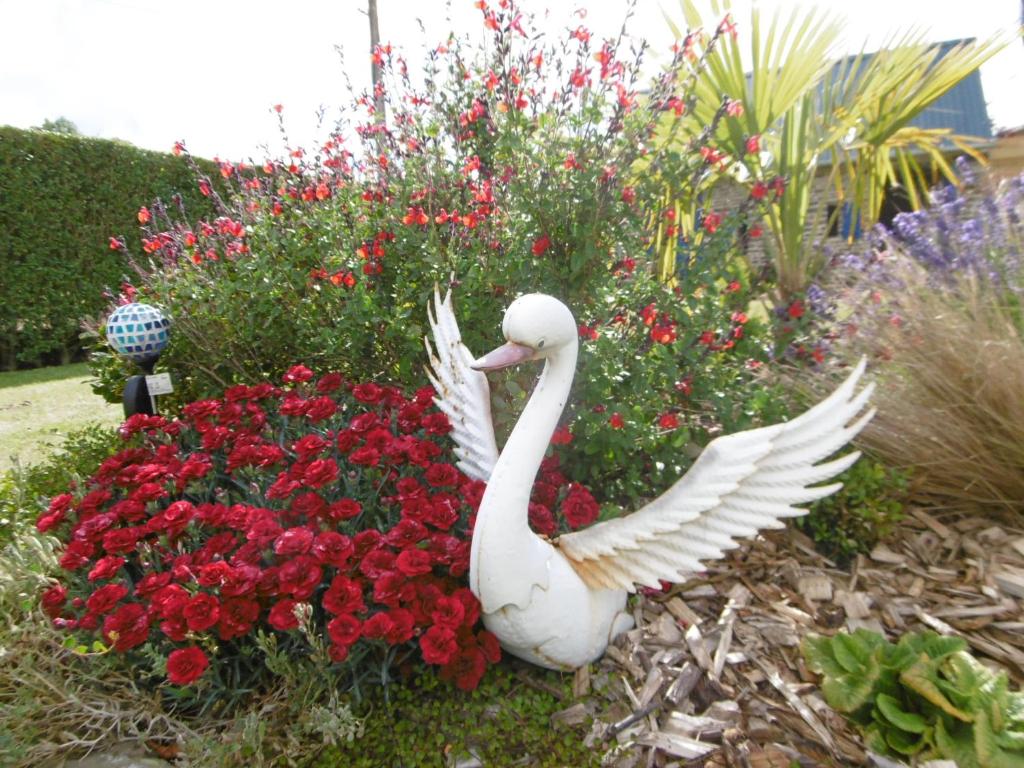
[61, 199]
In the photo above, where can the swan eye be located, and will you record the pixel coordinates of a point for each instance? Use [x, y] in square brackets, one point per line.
[540, 344]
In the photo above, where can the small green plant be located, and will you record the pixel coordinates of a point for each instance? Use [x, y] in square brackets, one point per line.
[866, 509]
[503, 722]
[25, 491]
[923, 696]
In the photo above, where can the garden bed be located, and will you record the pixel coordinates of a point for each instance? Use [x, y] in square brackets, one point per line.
[714, 675]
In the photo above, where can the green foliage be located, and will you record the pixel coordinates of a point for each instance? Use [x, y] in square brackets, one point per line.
[866, 509]
[503, 721]
[61, 198]
[25, 491]
[60, 125]
[843, 123]
[330, 259]
[924, 696]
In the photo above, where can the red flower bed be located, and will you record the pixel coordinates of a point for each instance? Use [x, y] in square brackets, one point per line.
[325, 513]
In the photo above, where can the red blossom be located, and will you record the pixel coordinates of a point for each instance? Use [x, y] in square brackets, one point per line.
[186, 665]
[616, 421]
[540, 245]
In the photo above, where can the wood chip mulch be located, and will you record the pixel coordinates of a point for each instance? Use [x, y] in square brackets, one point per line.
[713, 675]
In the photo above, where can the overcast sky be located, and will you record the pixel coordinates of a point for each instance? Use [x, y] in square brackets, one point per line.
[208, 71]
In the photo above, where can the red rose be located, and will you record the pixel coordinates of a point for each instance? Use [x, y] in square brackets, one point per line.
[616, 421]
[105, 598]
[282, 615]
[186, 665]
[368, 393]
[320, 472]
[540, 245]
[53, 600]
[201, 612]
[438, 645]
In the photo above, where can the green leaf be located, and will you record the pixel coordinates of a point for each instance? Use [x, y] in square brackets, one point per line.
[895, 714]
[920, 678]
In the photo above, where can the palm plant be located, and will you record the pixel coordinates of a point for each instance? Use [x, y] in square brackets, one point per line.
[846, 120]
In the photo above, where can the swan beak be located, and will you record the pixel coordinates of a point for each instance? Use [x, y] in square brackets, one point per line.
[503, 357]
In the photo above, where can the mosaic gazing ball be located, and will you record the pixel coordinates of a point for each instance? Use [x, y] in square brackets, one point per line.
[138, 331]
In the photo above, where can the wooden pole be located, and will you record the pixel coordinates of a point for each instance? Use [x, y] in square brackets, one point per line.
[377, 74]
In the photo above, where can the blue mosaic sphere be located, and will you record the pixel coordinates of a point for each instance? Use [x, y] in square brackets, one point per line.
[138, 331]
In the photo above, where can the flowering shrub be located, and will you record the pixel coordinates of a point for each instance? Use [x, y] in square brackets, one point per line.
[502, 169]
[936, 302]
[322, 513]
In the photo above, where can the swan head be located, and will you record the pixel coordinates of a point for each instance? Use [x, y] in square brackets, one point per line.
[535, 327]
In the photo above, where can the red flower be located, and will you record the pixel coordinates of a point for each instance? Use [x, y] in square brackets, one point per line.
[333, 548]
[414, 562]
[540, 245]
[186, 665]
[344, 630]
[282, 616]
[144, 215]
[668, 421]
[753, 144]
[616, 421]
[343, 596]
[105, 598]
[320, 408]
[466, 669]
[202, 612]
[442, 474]
[712, 221]
[298, 374]
[562, 436]
[54, 599]
[127, 627]
[294, 541]
[448, 612]
[320, 472]
[795, 310]
[344, 509]
[579, 507]
[439, 645]
[105, 568]
[368, 393]
[237, 616]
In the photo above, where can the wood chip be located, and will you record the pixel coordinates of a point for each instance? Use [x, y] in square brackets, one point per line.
[683, 684]
[682, 612]
[882, 554]
[581, 682]
[816, 588]
[675, 745]
[1010, 580]
[856, 604]
[695, 642]
[802, 709]
[577, 714]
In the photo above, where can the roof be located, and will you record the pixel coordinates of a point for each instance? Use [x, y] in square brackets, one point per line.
[962, 109]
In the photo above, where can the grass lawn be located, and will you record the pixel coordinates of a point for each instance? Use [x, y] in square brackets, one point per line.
[39, 407]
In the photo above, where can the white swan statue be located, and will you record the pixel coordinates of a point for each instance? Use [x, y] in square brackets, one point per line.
[559, 603]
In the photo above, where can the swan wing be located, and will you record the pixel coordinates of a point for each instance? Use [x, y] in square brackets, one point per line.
[740, 484]
[462, 393]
